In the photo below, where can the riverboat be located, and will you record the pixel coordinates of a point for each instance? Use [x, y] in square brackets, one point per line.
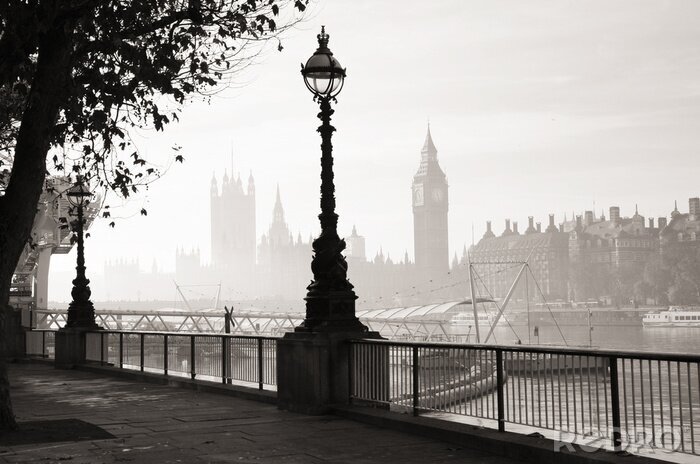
[675, 316]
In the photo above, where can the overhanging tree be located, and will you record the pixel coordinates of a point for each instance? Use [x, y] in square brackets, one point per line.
[78, 74]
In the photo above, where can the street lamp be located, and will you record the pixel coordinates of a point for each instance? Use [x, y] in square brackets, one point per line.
[81, 312]
[330, 301]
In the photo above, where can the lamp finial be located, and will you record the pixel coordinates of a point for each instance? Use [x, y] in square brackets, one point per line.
[323, 38]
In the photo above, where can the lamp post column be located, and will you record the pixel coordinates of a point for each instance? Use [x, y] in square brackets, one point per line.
[330, 301]
[81, 312]
[313, 362]
[71, 340]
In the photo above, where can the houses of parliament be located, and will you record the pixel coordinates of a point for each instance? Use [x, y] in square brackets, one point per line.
[276, 266]
[583, 258]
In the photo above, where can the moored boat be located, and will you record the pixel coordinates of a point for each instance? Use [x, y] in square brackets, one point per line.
[675, 316]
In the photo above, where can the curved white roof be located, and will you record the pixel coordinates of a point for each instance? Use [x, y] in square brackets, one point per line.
[411, 311]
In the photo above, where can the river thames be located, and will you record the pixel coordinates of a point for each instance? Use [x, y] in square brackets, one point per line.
[628, 338]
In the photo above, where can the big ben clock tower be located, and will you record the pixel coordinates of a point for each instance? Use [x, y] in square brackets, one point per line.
[430, 214]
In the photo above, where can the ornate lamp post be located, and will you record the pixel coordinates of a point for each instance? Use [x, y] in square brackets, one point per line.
[81, 313]
[330, 301]
[313, 361]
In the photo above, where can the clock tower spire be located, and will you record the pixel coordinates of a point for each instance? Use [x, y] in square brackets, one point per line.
[430, 206]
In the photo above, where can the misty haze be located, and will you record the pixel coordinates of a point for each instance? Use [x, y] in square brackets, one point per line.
[460, 199]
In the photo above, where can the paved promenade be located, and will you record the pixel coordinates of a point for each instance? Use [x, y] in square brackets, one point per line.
[103, 420]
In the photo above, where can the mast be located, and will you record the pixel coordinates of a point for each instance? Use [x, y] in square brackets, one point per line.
[184, 299]
[471, 288]
[527, 300]
[506, 300]
[218, 294]
[509, 295]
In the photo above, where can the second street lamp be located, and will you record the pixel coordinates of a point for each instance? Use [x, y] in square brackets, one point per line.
[330, 301]
[81, 312]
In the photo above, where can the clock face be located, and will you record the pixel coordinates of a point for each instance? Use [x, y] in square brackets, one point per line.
[438, 195]
[418, 195]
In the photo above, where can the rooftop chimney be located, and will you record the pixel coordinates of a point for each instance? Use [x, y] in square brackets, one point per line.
[539, 227]
[515, 228]
[530, 225]
[551, 227]
[651, 223]
[662, 223]
[489, 232]
[507, 230]
[694, 209]
[578, 222]
[615, 215]
[588, 218]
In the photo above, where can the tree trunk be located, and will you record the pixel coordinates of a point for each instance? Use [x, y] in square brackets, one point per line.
[19, 204]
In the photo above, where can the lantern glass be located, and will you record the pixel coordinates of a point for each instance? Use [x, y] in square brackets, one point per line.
[323, 74]
[78, 194]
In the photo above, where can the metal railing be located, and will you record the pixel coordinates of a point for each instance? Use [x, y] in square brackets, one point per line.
[257, 323]
[41, 343]
[168, 320]
[217, 357]
[632, 399]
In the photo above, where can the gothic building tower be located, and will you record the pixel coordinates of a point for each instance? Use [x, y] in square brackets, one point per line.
[233, 235]
[283, 263]
[430, 205]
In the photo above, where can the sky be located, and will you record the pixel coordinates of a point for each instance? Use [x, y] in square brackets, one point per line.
[535, 107]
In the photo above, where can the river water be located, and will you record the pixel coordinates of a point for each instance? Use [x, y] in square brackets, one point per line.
[628, 338]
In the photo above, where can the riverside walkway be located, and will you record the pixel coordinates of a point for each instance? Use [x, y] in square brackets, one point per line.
[83, 417]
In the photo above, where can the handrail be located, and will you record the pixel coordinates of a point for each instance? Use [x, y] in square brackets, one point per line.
[176, 334]
[240, 357]
[602, 353]
[633, 398]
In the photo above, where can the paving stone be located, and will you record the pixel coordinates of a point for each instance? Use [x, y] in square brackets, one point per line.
[164, 424]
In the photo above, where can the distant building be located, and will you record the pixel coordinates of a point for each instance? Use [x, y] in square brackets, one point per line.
[233, 234]
[612, 242]
[430, 207]
[284, 264]
[683, 231]
[495, 259]
[587, 257]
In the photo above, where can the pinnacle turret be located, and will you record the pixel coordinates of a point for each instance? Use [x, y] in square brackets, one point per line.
[278, 211]
[428, 146]
[251, 183]
[214, 187]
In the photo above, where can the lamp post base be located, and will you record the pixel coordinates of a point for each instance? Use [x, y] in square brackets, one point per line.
[313, 369]
[70, 347]
[331, 311]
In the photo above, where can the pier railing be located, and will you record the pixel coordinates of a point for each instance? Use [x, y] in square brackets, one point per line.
[595, 398]
[246, 360]
[40, 343]
[621, 399]
[215, 357]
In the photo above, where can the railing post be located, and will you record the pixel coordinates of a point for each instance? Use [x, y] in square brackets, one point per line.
[415, 380]
[229, 380]
[615, 400]
[351, 368]
[102, 348]
[121, 350]
[223, 359]
[141, 360]
[260, 363]
[193, 371]
[499, 386]
[44, 354]
[165, 354]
